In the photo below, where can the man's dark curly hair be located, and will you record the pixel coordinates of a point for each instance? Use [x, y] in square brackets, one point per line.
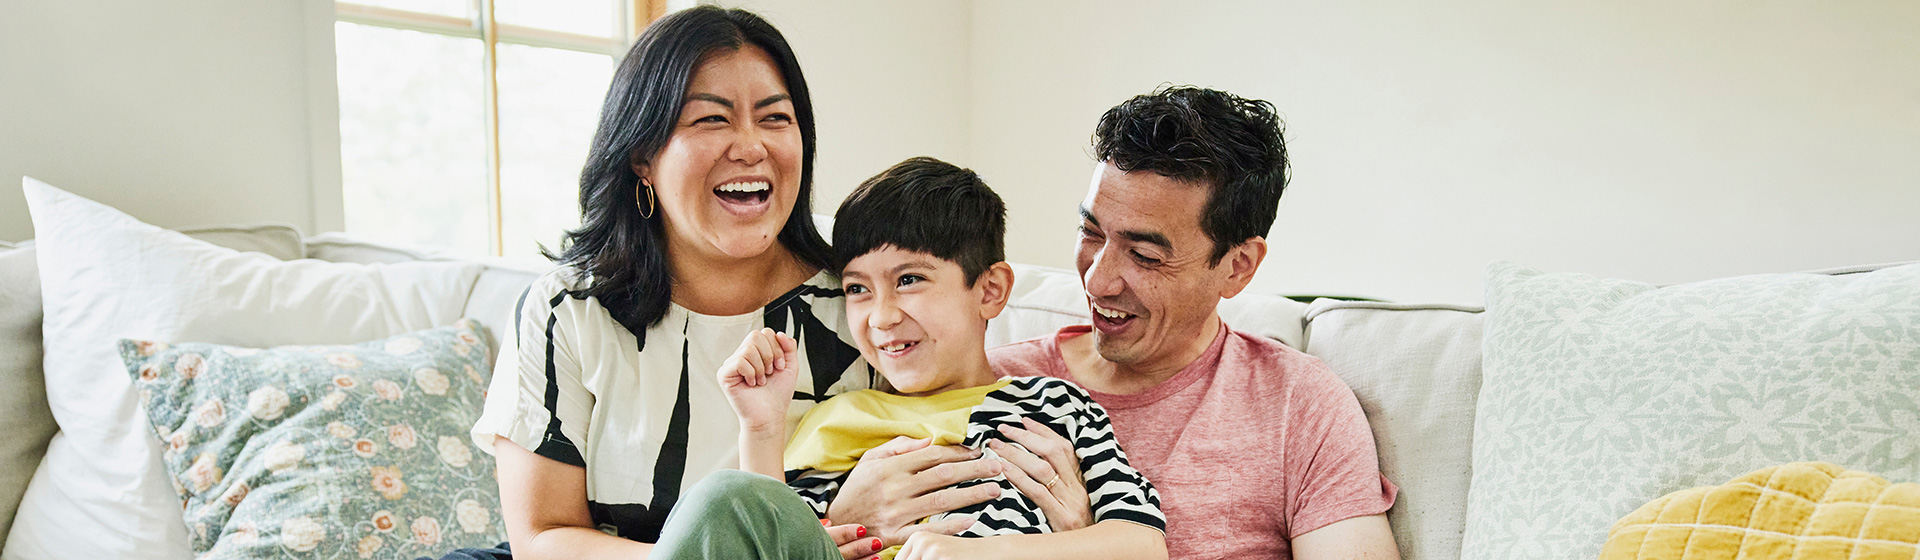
[1232, 145]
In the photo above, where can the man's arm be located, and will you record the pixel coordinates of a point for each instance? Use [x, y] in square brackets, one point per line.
[1359, 538]
[1112, 539]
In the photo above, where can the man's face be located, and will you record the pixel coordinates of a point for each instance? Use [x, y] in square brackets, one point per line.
[1144, 262]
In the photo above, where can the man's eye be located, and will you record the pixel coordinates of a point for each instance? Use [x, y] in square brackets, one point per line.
[1146, 260]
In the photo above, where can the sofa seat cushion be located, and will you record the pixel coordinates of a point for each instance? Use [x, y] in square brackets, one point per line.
[1599, 395]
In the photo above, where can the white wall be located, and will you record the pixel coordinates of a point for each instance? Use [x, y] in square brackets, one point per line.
[889, 82]
[1658, 141]
[180, 113]
[1649, 140]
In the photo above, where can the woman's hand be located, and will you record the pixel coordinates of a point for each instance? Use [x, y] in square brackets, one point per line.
[853, 540]
[1047, 472]
[759, 378]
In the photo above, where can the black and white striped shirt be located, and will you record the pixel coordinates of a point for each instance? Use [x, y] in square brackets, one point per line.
[645, 414]
[1116, 490]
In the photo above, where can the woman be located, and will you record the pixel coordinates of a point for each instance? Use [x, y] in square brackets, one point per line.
[697, 230]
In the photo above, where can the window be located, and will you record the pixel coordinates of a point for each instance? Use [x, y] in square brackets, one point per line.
[464, 123]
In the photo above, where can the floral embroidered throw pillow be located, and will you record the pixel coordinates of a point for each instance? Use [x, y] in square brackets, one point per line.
[354, 451]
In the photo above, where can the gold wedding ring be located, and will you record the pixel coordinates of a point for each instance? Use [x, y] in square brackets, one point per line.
[1050, 483]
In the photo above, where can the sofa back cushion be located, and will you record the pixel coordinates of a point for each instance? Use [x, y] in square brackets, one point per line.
[1416, 372]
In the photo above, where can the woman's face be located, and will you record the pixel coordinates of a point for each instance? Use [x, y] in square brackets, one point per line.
[730, 174]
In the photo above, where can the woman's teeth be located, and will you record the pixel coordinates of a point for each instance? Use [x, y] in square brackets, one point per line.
[754, 187]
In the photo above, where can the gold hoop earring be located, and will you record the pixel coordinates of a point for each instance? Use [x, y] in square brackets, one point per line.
[646, 213]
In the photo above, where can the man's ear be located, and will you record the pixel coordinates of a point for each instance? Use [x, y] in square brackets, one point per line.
[996, 286]
[1242, 261]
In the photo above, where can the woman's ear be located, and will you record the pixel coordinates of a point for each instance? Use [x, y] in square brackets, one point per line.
[996, 287]
[639, 165]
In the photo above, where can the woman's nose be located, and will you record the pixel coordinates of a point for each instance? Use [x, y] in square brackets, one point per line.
[750, 147]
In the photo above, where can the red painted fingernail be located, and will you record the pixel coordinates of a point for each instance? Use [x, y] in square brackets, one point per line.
[826, 523]
[859, 532]
[876, 545]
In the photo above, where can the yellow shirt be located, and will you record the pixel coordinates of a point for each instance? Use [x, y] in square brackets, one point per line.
[834, 434]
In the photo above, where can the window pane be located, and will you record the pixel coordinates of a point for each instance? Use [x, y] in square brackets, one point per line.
[549, 106]
[457, 8]
[586, 17]
[413, 138]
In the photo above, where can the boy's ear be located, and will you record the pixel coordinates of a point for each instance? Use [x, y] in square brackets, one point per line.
[996, 286]
[1243, 260]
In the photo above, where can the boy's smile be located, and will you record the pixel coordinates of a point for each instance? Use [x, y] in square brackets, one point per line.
[917, 320]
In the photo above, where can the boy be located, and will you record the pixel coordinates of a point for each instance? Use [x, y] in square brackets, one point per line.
[920, 252]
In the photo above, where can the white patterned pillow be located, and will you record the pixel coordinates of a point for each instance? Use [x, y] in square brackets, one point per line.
[353, 451]
[1600, 395]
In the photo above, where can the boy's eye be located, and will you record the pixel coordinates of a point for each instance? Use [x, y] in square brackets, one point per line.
[910, 279]
[852, 289]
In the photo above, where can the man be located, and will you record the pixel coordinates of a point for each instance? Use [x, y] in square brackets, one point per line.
[1257, 450]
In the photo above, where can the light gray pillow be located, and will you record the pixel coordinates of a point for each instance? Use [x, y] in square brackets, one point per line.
[1600, 395]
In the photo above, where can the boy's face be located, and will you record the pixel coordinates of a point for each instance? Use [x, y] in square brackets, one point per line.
[917, 321]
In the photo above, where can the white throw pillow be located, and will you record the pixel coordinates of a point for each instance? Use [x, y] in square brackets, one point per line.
[101, 491]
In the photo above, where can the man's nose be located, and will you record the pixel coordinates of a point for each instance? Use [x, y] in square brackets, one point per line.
[1102, 277]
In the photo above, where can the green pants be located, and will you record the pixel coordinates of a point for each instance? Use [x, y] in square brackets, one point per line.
[741, 515]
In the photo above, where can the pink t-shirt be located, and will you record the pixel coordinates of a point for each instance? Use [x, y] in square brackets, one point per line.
[1251, 445]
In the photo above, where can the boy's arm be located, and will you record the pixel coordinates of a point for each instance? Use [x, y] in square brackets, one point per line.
[758, 381]
[1106, 539]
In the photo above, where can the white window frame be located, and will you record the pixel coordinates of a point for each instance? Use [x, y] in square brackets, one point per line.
[632, 15]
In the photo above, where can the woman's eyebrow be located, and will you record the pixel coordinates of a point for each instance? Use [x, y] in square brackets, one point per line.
[771, 99]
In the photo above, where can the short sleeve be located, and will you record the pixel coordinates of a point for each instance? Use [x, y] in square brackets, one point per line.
[1333, 468]
[1115, 489]
[538, 400]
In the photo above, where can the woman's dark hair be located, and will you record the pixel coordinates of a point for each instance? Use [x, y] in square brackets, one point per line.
[926, 205]
[1228, 143]
[623, 254]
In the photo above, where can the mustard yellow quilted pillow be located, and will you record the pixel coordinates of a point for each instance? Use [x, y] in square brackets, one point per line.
[1794, 511]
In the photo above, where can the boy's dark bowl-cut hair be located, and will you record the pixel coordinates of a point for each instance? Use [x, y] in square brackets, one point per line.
[1231, 144]
[926, 205]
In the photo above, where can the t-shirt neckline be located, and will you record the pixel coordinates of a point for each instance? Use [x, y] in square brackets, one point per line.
[1200, 368]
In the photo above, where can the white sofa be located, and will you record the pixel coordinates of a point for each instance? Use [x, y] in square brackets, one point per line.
[1415, 368]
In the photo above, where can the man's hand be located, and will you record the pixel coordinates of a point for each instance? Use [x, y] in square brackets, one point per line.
[759, 378]
[905, 480]
[1048, 472]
